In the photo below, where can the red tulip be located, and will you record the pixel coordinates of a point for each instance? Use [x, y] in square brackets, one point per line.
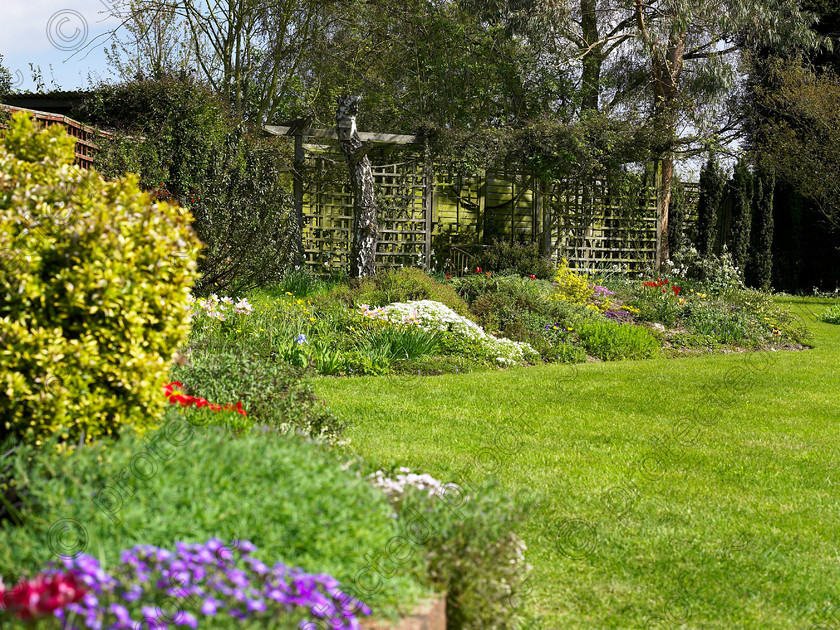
[448, 276]
[478, 269]
[533, 277]
[676, 290]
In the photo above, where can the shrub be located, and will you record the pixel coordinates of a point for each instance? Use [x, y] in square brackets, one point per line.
[273, 393]
[293, 500]
[472, 550]
[572, 287]
[236, 183]
[434, 316]
[406, 284]
[522, 309]
[92, 301]
[712, 187]
[524, 259]
[831, 315]
[715, 272]
[610, 341]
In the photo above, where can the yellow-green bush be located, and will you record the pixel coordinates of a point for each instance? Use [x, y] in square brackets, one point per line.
[571, 286]
[93, 289]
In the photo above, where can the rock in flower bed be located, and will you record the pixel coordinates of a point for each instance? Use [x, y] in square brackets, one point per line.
[434, 316]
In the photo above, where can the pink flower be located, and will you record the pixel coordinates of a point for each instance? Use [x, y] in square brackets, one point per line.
[42, 595]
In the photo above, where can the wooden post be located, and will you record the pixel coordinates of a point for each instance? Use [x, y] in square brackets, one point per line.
[299, 163]
[428, 202]
[657, 258]
[482, 203]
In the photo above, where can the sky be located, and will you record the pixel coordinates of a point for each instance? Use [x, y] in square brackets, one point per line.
[63, 37]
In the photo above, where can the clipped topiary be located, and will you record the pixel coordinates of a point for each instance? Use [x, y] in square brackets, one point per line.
[93, 290]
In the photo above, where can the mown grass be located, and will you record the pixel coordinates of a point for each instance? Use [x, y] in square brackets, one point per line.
[696, 492]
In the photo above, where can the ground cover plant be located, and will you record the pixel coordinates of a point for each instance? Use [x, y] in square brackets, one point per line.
[205, 584]
[296, 502]
[688, 491]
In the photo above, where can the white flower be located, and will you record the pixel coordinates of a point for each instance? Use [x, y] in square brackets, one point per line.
[434, 316]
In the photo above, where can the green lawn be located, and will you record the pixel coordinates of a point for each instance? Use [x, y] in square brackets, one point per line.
[702, 491]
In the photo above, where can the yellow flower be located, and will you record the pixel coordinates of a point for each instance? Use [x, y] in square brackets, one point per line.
[311, 319]
[289, 293]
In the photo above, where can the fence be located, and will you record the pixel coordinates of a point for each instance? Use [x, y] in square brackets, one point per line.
[441, 217]
[86, 147]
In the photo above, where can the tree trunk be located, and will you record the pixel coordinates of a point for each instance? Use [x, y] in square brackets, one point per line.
[590, 80]
[666, 72]
[666, 175]
[365, 229]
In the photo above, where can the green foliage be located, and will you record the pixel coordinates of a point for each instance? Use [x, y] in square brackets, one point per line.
[299, 282]
[293, 500]
[274, 394]
[93, 291]
[571, 286]
[797, 128]
[760, 269]
[831, 315]
[712, 186]
[741, 193]
[716, 273]
[5, 80]
[237, 184]
[497, 301]
[609, 341]
[676, 217]
[401, 342]
[398, 285]
[507, 258]
[473, 551]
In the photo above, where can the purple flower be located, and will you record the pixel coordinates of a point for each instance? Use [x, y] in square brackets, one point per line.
[210, 606]
[210, 577]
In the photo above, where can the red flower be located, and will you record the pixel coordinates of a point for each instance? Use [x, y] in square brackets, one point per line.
[478, 269]
[448, 276]
[533, 277]
[676, 290]
[42, 595]
[176, 397]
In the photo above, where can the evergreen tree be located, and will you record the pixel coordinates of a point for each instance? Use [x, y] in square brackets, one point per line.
[712, 185]
[741, 191]
[761, 267]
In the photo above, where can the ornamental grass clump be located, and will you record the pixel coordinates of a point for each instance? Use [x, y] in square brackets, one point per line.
[93, 302]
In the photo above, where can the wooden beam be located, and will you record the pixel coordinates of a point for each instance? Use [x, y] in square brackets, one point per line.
[387, 138]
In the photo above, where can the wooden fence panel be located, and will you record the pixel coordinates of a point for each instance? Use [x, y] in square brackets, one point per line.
[86, 147]
[595, 225]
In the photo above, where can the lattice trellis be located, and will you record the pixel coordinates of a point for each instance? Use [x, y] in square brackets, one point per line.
[328, 214]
